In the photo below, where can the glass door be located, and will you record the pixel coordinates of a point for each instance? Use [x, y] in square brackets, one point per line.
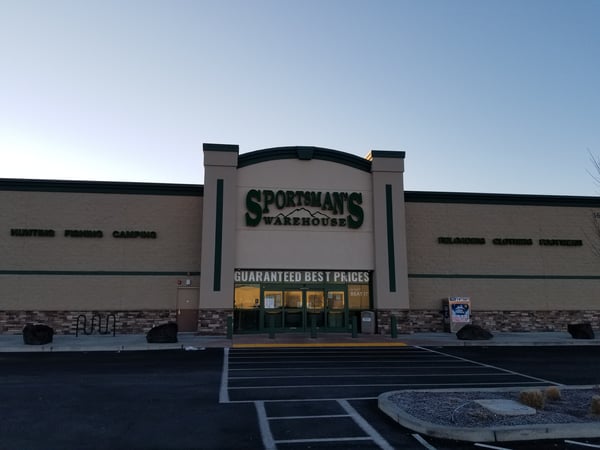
[315, 308]
[246, 308]
[293, 317]
[337, 317]
[273, 309]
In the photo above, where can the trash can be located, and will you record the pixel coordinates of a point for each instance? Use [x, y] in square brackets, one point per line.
[367, 322]
[457, 313]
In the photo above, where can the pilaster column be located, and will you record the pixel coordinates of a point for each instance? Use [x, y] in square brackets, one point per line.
[390, 283]
[218, 226]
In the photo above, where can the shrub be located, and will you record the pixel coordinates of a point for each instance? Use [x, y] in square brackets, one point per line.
[533, 398]
[595, 408]
[553, 393]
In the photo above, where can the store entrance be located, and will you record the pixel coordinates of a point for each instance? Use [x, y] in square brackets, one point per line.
[299, 300]
[300, 309]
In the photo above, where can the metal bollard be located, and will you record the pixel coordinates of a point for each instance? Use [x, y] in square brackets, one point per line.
[354, 328]
[313, 327]
[229, 327]
[394, 325]
[271, 327]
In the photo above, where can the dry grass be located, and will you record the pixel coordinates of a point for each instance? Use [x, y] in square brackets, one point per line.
[552, 394]
[533, 398]
[595, 407]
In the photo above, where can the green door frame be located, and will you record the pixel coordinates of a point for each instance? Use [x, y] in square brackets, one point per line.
[280, 324]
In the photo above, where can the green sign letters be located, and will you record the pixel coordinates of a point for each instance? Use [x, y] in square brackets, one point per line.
[304, 208]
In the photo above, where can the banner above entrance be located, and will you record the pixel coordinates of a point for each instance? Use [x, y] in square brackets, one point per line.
[301, 276]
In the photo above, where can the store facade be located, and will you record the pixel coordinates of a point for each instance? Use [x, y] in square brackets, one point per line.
[300, 239]
[292, 239]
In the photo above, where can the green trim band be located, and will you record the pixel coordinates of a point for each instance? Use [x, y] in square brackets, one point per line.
[101, 273]
[218, 237]
[385, 154]
[389, 212]
[102, 187]
[469, 198]
[231, 148]
[503, 277]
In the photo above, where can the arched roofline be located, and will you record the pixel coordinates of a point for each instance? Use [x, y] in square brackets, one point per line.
[304, 154]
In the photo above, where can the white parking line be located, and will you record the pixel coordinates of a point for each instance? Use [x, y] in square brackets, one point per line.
[493, 447]
[493, 367]
[582, 444]
[423, 442]
[263, 424]
[224, 391]
[300, 441]
[337, 360]
[323, 399]
[386, 367]
[332, 386]
[370, 375]
[322, 416]
[365, 426]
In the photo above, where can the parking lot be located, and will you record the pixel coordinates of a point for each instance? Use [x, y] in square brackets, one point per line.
[326, 398]
[351, 373]
[278, 398]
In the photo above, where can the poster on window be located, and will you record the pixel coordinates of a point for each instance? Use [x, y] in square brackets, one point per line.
[460, 309]
[269, 301]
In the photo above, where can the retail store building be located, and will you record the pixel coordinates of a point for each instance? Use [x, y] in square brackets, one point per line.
[292, 237]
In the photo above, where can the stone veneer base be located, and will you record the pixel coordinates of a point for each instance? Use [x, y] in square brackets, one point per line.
[214, 321]
[65, 322]
[420, 321]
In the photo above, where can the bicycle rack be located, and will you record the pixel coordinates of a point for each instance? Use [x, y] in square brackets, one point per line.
[114, 324]
[91, 330]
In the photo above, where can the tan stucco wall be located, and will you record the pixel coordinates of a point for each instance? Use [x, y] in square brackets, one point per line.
[489, 273]
[177, 220]
[492, 287]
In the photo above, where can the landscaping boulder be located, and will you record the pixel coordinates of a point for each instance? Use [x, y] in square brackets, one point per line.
[37, 334]
[163, 334]
[473, 333]
[581, 330]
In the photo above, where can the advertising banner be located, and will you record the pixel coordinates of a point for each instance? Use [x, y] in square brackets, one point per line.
[459, 309]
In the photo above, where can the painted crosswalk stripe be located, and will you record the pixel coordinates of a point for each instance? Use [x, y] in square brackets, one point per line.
[365, 426]
[582, 444]
[423, 442]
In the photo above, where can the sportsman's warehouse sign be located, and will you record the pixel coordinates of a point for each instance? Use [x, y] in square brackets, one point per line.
[303, 208]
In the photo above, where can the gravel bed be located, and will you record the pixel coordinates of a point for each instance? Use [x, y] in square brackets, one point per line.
[457, 408]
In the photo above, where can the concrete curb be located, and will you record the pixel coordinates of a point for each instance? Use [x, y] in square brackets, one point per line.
[70, 343]
[488, 434]
[120, 343]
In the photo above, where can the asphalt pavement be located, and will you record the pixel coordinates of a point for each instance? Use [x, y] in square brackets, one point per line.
[193, 341]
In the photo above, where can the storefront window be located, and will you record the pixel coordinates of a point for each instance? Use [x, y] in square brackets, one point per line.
[293, 299]
[273, 299]
[247, 296]
[246, 306]
[335, 300]
[314, 300]
[299, 300]
[358, 296]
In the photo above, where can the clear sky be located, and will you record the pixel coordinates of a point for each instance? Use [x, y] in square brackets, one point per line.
[498, 96]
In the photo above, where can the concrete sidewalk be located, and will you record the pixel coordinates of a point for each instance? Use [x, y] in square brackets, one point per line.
[192, 341]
